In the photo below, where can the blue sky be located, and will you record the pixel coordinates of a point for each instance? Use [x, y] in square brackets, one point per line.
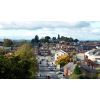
[82, 30]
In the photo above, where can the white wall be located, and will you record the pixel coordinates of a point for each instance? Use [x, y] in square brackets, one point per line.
[59, 53]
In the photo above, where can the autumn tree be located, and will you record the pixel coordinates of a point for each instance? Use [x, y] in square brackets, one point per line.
[63, 60]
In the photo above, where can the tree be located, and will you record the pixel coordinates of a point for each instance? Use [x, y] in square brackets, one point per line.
[77, 73]
[76, 40]
[33, 41]
[47, 39]
[36, 39]
[71, 39]
[42, 40]
[17, 67]
[62, 60]
[58, 37]
[8, 42]
[25, 51]
[77, 70]
[2, 51]
[63, 38]
[54, 39]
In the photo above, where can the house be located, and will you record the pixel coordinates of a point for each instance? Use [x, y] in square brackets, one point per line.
[98, 46]
[71, 48]
[85, 46]
[93, 56]
[69, 68]
[36, 50]
[44, 52]
[59, 53]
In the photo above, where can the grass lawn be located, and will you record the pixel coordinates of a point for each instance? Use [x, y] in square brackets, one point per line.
[74, 76]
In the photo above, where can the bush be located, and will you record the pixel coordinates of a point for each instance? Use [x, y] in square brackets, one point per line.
[77, 70]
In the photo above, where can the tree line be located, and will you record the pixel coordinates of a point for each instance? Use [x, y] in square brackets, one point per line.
[48, 39]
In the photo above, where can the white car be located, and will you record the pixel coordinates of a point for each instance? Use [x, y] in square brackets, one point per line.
[59, 72]
[93, 55]
[60, 75]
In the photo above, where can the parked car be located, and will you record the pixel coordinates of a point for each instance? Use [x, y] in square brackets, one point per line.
[51, 69]
[59, 72]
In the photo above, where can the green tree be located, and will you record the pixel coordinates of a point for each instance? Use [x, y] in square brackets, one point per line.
[77, 73]
[16, 68]
[25, 51]
[58, 37]
[47, 39]
[33, 41]
[62, 38]
[76, 40]
[2, 51]
[42, 40]
[77, 70]
[54, 39]
[71, 39]
[36, 39]
[8, 42]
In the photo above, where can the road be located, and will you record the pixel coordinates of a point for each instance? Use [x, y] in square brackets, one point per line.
[47, 69]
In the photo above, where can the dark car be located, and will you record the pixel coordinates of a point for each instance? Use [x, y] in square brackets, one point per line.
[48, 77]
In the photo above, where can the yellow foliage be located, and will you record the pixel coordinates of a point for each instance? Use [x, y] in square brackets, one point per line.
[62, 60]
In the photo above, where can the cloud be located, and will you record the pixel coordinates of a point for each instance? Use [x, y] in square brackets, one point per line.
[81, 30]
[42, 25]
[82, 24]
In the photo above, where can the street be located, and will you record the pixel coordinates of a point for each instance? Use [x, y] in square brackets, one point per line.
[46, 68]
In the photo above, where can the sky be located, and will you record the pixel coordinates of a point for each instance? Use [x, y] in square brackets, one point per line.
[23, 19]
[82, 30]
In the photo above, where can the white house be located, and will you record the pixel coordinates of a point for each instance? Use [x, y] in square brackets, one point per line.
[59, 53]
